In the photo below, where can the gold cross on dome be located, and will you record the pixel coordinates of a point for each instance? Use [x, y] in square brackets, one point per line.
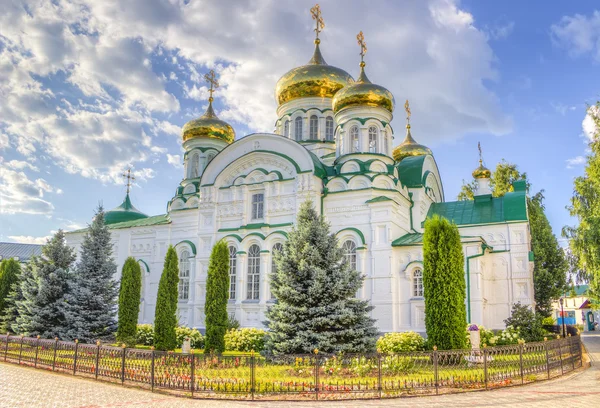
[363, 45]
[129, 178]
[407, 109]
[316, 15]
[480, 154]
[211, 78]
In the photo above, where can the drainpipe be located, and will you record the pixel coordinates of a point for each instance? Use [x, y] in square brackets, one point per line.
[412, 204]
[483, 246]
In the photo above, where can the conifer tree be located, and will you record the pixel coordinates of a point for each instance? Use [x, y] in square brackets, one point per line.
[444, 285]
[130, 294]
[165, 315]
[52, 275]
[10, 270]
[26, 302]
[9, 320]
[90, 305]
[315, 288]
[217, 294]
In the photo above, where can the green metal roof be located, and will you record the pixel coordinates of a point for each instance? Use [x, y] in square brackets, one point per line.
[580, 290]
[378, 199]
[125, 212]
[143, 222]
[410, 171]
[484, 209]
[417, 239]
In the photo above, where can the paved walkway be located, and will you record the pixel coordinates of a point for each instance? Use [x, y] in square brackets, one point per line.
[28, 387]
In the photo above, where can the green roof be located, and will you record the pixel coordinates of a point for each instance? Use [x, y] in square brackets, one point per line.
[417, 239]
[378, 199]
[410, 171]
[512, 207]
[143, 222]
[580, 290]
[125, 212]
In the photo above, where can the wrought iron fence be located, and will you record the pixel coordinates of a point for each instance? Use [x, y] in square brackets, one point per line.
[301, 377]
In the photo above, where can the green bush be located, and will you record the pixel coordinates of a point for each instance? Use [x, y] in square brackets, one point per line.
[197, 339]
[246, 339]
[129, 301]
[399, 342]
[144, 335]
[232, 322]
[526, 322]
[548, 321]
[486, 337]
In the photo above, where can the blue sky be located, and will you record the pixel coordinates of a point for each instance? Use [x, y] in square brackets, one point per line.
[89, 88]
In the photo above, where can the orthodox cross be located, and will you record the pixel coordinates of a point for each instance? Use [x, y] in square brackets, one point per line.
[407, 109]
[363, 45]
[318, 17]
[212, 80]
[129, 178]
[480, 155]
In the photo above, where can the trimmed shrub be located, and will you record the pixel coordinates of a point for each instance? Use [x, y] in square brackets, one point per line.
[399, 342]
[144, 335]
[129, 301]
[246, 339]
[165, 316]
[526, 322]
[217, 294]
[197, 340]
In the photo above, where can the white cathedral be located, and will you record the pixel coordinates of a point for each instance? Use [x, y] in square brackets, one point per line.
[333, 145]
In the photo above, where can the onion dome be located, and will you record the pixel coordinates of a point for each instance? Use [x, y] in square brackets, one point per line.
[315, 79]
[208, 126]
[363, 93]
[409, 147]
[481, 172]
[125, 212]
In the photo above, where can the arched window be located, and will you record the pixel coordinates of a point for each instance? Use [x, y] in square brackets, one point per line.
[253, 273]
[417, 282]
[193, 164]
[354, 139]
[298, 128]
[277, 248]
[209, 157]
[329, 129]
[313, 129]
[286, 129]
[232, 272]
[184, 276]
[349, 249]
[372, 139]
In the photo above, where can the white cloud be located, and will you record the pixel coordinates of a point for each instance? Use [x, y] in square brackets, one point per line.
[174, 160]
[502, 31]
[575, 161]
[589, 124]
[27, 239]
[19, 194]
[19, 165]
[562, 108]
[578, 34]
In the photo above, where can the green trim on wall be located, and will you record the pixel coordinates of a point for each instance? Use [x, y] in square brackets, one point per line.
[364, 120]
[145, 264]
[468, 260]
[360, 234]
[256, 226]
[239, 239]
[190, 243]
[257, 234]
[305, 111]
[202, 149]
[285, 234]
[265, 251]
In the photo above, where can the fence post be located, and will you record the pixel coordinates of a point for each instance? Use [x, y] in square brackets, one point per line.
[547, 356]
[562, 371]
[152, 370]
[569, 340]
[379, 386]
[6, 348]
[54, 358]
[123, 364]
[252, 374]
[435, 369]
[580, 350]
[485, 366]
[37, 347]
[21, 348]
[317, 369]
[75, 358]
[97, 358]
[521, 362]
[193, 367]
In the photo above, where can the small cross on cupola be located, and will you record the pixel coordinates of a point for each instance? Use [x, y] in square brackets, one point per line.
[130, 177]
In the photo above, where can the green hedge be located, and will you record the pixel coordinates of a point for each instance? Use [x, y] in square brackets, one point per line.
[399, 342]
[246, 339]
[145, 336]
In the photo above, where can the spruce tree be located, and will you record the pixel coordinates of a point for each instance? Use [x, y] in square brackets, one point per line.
[26, 307]
[315, 288]
[10, 270]
[165, 315]
[90, 305]
[130, 294]
[217, 294]
[444, 285]
[52, 275]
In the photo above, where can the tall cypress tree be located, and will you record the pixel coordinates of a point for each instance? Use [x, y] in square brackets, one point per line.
[315, 288]
[90, 305]
[165, 315]
[53, 276]
[444, 287]
[10, 270]
[130, 294]
[217, 294]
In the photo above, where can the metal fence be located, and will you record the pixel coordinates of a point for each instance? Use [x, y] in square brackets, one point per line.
[301, 377]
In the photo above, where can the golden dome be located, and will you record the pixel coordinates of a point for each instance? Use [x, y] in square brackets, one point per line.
[315, 79]
[481, 172]
[363, 93]
[409, 147]
[208, 125]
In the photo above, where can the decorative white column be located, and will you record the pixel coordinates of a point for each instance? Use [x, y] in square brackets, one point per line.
[264, 271]
[240, 290]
